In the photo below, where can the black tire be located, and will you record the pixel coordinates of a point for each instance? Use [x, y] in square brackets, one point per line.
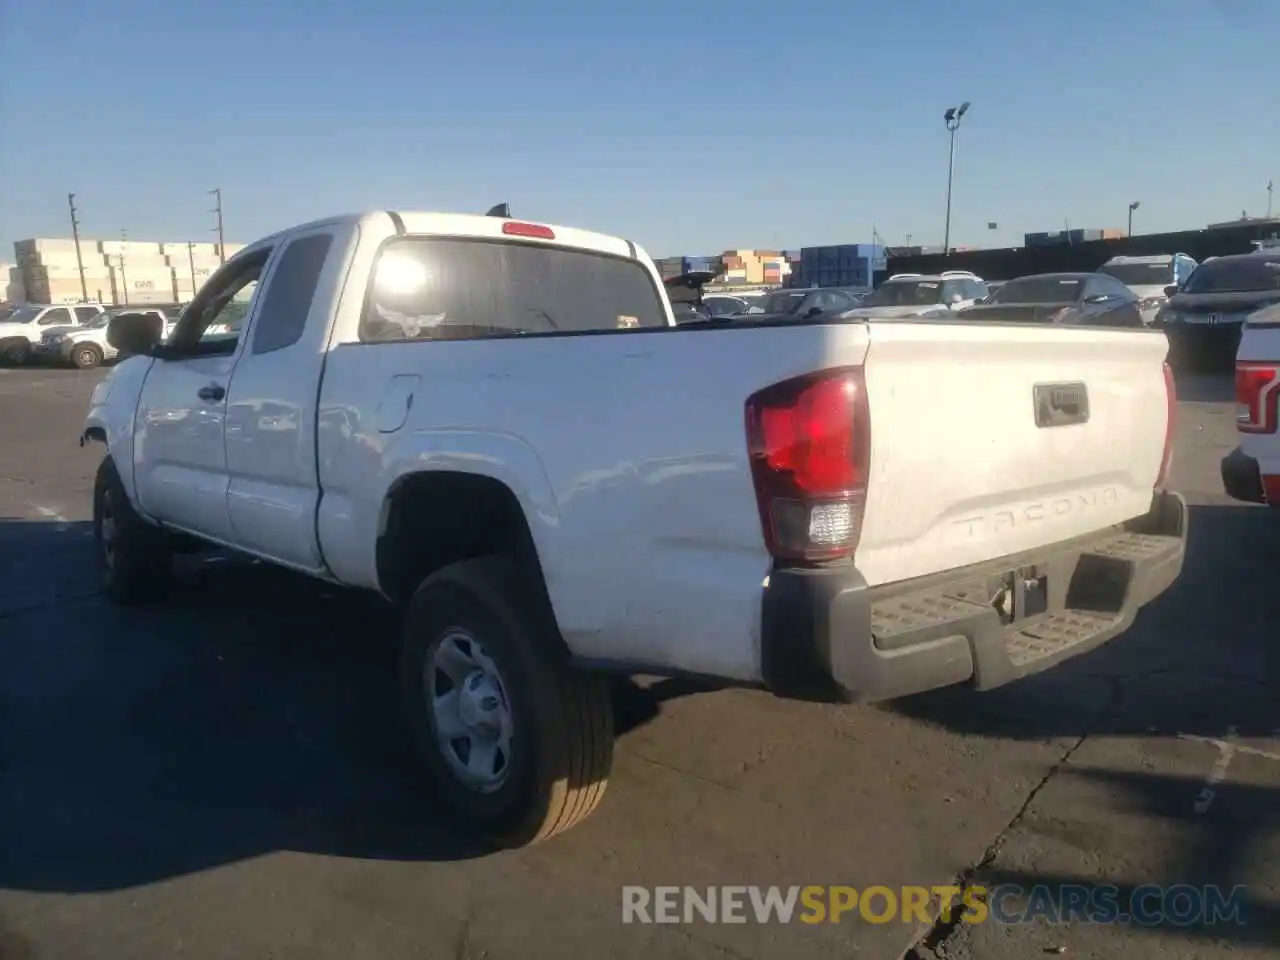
[133, 556]
[86, 356]
[16, 354]
[562, 745]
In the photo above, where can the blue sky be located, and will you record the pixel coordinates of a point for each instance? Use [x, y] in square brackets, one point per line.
[689, 128]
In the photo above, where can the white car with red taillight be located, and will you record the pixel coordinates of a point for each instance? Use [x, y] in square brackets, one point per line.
[1251, 472]
[498, 425]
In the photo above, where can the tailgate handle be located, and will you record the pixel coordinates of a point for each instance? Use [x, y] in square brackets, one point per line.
[1061, 404]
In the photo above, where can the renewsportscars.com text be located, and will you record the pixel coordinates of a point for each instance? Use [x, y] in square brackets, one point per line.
[1150, 905]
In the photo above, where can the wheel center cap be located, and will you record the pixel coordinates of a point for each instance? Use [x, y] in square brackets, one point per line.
[480, 701]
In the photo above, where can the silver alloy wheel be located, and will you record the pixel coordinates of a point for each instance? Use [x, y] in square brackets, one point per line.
[87, 357]
[470, 712]
[107, 528]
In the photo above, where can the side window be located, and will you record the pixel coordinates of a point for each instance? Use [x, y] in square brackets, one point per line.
[85, 314]
[974, 290]
[824, 300]
[56, 316]
[211, 324]
[432, 288]
[950, 288]
[286, 302]
[1114, 288]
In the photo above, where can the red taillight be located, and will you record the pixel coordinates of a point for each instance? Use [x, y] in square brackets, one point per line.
[1170, 423]
[513, 228]
[1257, 393]
[809, 442]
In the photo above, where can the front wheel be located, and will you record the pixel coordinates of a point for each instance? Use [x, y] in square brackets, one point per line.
[16, 353]
[86, 356]
[133, 557]
[519, 744]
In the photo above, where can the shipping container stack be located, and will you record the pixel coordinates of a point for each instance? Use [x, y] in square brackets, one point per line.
[1067, 236]
[140, 272]
[669, 267]
[48, 271]
[12, 289]
[754, 267]
[120, 272]
[192, 264]
[846, 265]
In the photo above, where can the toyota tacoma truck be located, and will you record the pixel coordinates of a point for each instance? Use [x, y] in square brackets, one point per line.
[498, 426]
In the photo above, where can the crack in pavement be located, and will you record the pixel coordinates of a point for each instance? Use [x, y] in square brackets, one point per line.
[932, 943]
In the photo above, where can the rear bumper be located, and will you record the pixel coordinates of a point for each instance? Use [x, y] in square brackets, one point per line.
[827, 636]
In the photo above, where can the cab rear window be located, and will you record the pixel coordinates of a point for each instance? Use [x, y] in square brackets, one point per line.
[426, 288]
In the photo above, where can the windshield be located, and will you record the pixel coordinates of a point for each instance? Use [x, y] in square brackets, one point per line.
[1244, 275]
[98, 322]
[905, 293]
[782, 302]
[1140, 274]
[24, 314]
[1039, 290]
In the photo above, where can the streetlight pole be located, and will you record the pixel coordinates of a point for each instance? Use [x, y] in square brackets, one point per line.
[217, 199]
[75, 238]
[952, 120]
[124, 280]
[1268, 199]
[1132, 207]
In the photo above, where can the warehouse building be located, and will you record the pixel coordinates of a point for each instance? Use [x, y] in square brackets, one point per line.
[121, 272]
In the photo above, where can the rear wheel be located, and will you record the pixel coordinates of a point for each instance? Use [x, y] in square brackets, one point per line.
[86, 356]
[519, 744]
[133, 557]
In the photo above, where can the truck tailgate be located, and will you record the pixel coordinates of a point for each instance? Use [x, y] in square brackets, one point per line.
[961, 471]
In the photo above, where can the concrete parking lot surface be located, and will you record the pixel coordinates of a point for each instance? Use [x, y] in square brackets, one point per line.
[226, 775]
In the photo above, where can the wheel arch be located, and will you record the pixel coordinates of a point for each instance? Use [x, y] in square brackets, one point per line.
[432, 518]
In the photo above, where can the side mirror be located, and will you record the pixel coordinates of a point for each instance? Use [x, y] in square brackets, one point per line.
[1171, 290]
[135, 333]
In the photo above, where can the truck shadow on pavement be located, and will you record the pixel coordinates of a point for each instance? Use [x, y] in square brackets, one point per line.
[257, 711]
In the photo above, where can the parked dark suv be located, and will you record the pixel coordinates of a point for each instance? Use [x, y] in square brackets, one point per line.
[1204, 316]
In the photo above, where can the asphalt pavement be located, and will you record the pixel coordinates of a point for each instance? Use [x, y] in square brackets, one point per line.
[227, 776]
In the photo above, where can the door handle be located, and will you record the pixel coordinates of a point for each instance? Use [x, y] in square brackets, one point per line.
[213, 391]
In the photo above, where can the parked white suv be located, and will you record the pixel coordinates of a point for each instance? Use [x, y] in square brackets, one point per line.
[24, 326]
[909, 295]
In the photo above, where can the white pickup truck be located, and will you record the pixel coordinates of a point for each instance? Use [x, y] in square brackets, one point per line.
[499, 426]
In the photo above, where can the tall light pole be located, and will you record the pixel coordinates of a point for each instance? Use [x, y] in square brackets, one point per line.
[75, 238]
[1268, 199]
[217, 199]
[1132, 207]
[124, 280]
[952, 119]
